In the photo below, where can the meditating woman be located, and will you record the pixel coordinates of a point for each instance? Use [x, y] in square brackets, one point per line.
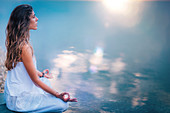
[26, 88]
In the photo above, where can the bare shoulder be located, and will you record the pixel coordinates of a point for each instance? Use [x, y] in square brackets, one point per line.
[26, 54]
[26, 49]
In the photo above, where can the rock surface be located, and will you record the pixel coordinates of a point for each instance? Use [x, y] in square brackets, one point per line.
[3, 71]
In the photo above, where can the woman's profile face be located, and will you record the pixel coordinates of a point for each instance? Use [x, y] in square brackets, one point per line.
[33, 21]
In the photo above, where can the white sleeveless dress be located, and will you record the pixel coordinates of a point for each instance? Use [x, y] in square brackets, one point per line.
[22, 95]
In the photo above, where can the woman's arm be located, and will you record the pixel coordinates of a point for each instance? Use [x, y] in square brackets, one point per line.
[39, 73]
[29, 65]
[34, 75]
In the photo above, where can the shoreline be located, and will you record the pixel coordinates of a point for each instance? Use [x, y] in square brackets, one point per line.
[3, 72]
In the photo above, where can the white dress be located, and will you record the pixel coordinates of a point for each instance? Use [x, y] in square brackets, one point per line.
[22, 95]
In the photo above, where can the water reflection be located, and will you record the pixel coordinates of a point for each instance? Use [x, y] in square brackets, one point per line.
[70, 65]
[93, 74]
[113, 89]
[75, 62]
[138, 101]
[93, 78]
[70, 61]
[137, 74]
[96, 60]
[118, 65]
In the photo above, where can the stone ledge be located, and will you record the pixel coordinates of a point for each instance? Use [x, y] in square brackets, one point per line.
[3, 71]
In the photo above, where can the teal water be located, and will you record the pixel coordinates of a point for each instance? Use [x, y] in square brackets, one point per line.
[112, 62]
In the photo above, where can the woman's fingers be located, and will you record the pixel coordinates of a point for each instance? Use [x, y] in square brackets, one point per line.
[48, 76]
[73, 100]
[64, 93]
[46, 71]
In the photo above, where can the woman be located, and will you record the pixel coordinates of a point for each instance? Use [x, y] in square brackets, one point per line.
[27, 89]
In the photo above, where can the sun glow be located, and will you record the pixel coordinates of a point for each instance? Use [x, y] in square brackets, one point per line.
[126, 13]
[116, 5]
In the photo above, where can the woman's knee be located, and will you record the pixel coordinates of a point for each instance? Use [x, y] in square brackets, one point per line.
[64, 106]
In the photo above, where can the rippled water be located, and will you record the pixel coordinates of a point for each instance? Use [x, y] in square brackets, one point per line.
[111, 62]
[104, 84]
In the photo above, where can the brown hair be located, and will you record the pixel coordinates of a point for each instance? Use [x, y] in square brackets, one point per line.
[17, 34]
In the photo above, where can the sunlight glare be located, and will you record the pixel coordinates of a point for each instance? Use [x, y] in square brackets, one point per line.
[116, 5]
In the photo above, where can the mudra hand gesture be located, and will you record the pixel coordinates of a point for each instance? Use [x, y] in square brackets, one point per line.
[66, 97]
[46, 74]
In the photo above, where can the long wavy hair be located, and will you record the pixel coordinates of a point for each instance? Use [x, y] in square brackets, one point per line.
[17, 34]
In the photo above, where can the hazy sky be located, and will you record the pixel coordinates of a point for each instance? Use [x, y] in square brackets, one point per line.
[146, 24]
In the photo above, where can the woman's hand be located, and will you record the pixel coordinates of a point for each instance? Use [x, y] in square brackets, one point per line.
[63, 97]
[47, 74]
[66, 97]
[73, 100]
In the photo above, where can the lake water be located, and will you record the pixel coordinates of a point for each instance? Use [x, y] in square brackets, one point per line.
[112, 61]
